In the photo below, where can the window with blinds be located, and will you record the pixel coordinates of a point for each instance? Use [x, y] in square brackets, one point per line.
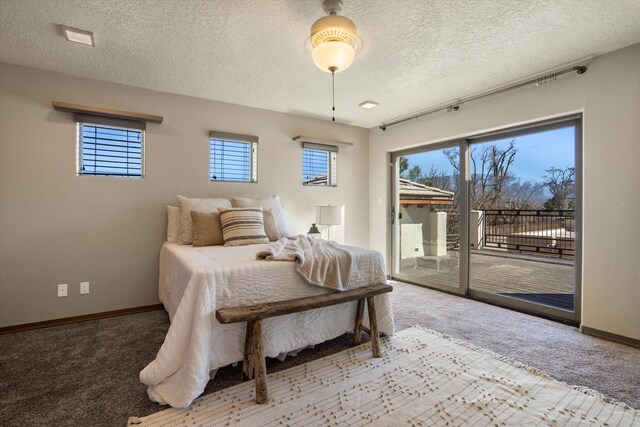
[114, 151]
[319, 164]
[233, 157]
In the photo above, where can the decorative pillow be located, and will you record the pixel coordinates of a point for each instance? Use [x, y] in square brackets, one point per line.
[242, 226]
[272, 203]
[173, 224]
[201, 205]
[207, 230]
[271, 225]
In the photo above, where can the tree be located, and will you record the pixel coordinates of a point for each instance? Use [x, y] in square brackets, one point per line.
[442, 180]
[524, 194]
[493, 185]
[404, 165]
[415, 173]
[489, 173]
[499, 165]
[562, 186]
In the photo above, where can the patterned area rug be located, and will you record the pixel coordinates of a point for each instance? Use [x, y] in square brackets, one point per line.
[423, 379]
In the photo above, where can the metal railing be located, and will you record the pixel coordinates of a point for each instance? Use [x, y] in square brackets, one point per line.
[545, 232]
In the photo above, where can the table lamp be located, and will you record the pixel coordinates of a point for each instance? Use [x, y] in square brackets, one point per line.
[313, 232]
[328, 216]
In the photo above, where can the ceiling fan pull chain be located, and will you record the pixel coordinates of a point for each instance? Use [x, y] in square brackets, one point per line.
[333, 93]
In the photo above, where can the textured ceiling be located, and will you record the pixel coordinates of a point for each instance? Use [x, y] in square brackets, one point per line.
[416, 54]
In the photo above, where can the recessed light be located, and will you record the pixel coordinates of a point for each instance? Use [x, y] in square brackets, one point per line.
[77, 35]
[369, 104]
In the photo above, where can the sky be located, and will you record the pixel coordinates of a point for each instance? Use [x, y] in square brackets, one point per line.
[536, 152]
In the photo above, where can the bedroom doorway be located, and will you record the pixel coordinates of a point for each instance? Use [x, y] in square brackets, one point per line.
[496, 217]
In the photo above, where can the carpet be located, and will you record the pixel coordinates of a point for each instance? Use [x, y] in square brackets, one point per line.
[423, 378]
[563, 301]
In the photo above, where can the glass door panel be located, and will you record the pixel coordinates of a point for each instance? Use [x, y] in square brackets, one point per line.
[427, 217]
[522, 219]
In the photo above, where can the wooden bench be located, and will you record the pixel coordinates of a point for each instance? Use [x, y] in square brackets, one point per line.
[254, 365]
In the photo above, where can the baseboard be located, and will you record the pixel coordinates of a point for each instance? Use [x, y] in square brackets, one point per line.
[76, 319]
[609, 336]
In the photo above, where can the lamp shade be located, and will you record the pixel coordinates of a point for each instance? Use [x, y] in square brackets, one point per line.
[329, 215]
[333, 54]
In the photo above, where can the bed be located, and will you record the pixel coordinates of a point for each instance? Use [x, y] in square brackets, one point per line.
[195, 281]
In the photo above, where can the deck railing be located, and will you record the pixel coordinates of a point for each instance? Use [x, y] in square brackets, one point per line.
[545, 232]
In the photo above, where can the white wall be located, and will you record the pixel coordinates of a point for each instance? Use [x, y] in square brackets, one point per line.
[608, 94]
[56, 227]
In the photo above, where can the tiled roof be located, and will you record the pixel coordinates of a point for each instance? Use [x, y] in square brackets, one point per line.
[410, 191]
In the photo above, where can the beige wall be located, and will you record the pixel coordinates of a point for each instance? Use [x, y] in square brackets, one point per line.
[609, 97]
[56, 227]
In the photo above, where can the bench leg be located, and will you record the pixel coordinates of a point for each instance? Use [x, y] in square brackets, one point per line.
[357, 330]
[247, 363]
[373, 326]
[259, 364]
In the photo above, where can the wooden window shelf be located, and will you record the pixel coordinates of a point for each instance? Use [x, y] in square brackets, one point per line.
[105, 112]
[314, 140]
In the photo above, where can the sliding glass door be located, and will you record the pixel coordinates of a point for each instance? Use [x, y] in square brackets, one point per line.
[428, 195]
[523, 218]
[496, 217]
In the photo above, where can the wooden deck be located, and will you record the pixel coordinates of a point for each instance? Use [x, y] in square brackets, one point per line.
[548, 281]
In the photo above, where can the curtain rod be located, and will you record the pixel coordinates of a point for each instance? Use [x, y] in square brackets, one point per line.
[455, 105]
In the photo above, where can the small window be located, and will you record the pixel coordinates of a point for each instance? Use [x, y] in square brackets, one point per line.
[105, 150]
[233, 157]
[319, 164]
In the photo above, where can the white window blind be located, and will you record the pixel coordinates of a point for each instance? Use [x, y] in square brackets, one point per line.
[107, 150]
[319, 164]
[233, 157]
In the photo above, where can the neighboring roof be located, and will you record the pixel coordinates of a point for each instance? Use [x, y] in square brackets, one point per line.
[414, 193]
[316, 180]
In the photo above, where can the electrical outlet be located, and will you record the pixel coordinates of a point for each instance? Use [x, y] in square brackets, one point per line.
[62, 290]
[84, 287]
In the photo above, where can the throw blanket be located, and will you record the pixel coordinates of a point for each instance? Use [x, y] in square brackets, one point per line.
[320, 262]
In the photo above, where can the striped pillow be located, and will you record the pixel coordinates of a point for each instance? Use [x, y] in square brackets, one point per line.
[242, 226]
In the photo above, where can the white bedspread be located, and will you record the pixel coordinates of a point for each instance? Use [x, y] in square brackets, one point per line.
[196, 281]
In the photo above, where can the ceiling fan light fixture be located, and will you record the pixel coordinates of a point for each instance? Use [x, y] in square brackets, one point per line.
[334, 43]
[332, 54]
[334, 40]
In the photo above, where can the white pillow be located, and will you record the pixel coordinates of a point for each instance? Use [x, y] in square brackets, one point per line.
[173, 224]
[272, 203]
[201, 205]
[271, 225]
